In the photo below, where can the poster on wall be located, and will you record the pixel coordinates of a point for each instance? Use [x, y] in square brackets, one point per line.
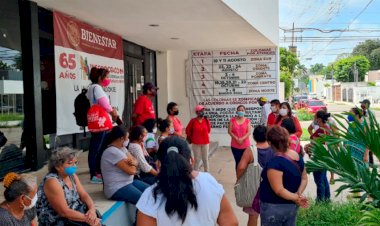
[77, 48]
[221, 80]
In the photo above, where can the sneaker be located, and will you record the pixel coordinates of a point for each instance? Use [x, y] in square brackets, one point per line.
[96, 180]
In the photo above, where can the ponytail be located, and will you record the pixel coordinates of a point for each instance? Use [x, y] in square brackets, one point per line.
[175, 181]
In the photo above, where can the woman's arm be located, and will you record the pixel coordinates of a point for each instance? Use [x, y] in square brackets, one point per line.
[83, 195]
[298, 127]
[125, 166]
[143, 164]
[310, 129]
[275, 181]
[56, 197]
[226, 215]
[145, 220]
[248, 133]
[230, 131]
[243, 164]
[303, 184]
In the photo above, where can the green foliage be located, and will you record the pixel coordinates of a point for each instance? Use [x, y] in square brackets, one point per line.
[366, 49]
[371, 83]
[371, 217]
[4, 66]
[286, 77]
[343, 69]
[303, 115]
[305, 135]
[337, 214]
[327, 85]
[374, 59]
[288, 60]
[11, 117]
[317, 69]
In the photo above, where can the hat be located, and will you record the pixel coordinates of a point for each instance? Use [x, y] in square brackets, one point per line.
[366, 102]
[263, 99]
[199, 108]
[147, 86]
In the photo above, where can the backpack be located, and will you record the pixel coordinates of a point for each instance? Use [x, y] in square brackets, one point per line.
[81, 106]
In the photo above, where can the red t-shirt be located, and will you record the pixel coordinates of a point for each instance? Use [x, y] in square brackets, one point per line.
[271, 119]
[143, 109]
[199, 132]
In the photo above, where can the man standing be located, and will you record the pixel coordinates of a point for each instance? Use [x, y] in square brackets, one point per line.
[365, 104]
[143, 108]
[265, 110]
[275, 108]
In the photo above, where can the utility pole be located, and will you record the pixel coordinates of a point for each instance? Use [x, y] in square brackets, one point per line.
[293, 48]
[332, 85]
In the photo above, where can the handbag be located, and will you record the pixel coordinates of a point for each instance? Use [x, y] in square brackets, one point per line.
[247, 186]
[98, 118]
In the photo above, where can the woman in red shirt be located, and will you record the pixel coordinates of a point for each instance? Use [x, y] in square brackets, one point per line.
[198, 134]
[286, 112]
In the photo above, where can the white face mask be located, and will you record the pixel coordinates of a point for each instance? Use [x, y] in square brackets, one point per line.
[155, 130]
[171, 130]
[283, 112]
[125, 143]
[273, 108]
[32, 203]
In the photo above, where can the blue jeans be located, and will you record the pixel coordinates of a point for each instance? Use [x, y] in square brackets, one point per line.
[278, 214]
[130, 193]
[323, 187]
[238, 153]
[96, 145]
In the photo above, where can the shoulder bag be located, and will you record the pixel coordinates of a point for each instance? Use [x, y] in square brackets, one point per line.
[97, 117]
[249, 183]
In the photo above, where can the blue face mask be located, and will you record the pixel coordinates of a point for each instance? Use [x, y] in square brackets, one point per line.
[240, 113]
[350, 118]
[71, 170]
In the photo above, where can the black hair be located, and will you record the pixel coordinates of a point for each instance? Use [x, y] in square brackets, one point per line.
[357, 112]
[170, 106]
[116, 133]
[259, 133]
[136, 133]
[289, 125]
[15, 186]
[163, 124]
[149, 124]
[275, 101]
[174, 180]
[240, 106]
[95, 73]
[289, 111]
[323, 115]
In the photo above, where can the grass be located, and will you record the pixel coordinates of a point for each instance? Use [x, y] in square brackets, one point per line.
[337, 214]
[305, 135]
[11, 117]
[375, 109]
[303, 115]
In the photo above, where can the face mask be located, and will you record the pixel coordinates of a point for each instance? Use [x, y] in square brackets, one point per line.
[176, 113]
[201, 114]
[71, 170]
[240, 113]
[32, 203]
[125, 143]
[171, 130]
[273, 108]
[283, 112]
[106, 82]
[350, 118]
[155, 130]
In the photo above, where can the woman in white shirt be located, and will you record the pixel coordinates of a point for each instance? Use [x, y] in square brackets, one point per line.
[182, 196]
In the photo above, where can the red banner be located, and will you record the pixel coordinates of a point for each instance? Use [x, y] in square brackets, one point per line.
[74, 34]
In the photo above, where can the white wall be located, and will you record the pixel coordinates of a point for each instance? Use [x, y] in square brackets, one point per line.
[261, 14]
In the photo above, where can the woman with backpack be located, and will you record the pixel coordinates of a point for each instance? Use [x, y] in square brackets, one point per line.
[198, 134]
[97, 96]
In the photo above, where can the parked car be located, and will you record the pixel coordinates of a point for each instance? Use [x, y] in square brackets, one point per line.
[296, 98]
[301, 104]
[313, 106]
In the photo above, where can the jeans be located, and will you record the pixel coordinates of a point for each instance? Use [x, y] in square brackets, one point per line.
[238, 153]
[323, 187]
[96, 145]
[130, 193]
[201, 152]
[278, 214]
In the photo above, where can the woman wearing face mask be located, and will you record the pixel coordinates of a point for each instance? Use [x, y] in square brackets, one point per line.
[239, 129]
[96, 95]
[118, 169]
[286, 112]
[20, 198]
[358, 151]
[61, 195]
[198, 134]
[146, 167]
[173, 112]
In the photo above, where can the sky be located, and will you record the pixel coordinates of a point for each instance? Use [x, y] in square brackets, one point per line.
[359, 18]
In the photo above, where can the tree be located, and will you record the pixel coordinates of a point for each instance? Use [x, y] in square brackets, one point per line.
[317, 69]
[343, 69]
[374, 59]
[286, 78]
[288, 60]
[365, 49]
[4, 66]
